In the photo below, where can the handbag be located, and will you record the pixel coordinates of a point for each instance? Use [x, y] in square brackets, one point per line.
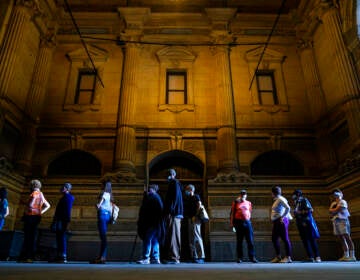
[114, 213]
[202, 214]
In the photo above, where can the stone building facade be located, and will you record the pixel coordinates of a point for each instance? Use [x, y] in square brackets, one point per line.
[232, 96]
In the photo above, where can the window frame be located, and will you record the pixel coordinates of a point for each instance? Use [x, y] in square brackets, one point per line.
[86, 72]
[267, 73]
[177, 72]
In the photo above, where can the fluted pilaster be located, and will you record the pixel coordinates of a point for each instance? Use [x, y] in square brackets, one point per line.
[12, 41]
[312, 81]
[348, 80]
[125, 142]
[36, 96]
[226, 134]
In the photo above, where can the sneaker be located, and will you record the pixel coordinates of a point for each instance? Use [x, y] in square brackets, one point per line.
[318, 259]
[155, 261]
[277, 259]
[286, 260]
[144, 261]
[309, 260]
[350, 259]
[254, 260]
[172, 262]
[239, 260]
[199, 261]
[343, 259]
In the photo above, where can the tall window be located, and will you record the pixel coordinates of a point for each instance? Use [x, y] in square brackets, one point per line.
[176, 87]
[85, 89]
[266, 87]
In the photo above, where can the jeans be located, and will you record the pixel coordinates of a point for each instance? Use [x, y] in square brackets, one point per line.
[61, 240]
[2, 223]
[31, 223]
[151, 244]
[244, 229]
[280, 230]
[103, 221]
[306, 234]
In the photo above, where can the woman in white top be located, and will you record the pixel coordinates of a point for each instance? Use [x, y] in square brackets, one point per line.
[340, 218]
[280, 217]
[104, 208]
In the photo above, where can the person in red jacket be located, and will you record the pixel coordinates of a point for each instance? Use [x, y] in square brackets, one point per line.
[240, 216]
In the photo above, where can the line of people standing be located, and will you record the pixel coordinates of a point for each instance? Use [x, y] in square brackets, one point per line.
[159, 224]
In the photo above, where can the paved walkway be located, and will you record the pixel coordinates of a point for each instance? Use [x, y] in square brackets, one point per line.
[183, 271]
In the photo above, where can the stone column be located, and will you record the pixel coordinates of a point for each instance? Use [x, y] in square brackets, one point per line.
[226, 133]
[34, 103]
[13, 39]
[347, 79]
[317, 103]
[125, 134]
[315, 94]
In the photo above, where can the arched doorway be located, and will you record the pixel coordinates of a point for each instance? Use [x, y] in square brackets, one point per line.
[190, 170]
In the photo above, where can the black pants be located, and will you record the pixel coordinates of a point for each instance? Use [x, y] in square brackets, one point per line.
[30, 230]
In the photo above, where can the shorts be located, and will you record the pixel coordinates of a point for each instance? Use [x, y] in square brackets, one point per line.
[341, 226]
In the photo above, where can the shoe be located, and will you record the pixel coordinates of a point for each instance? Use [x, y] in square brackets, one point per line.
[61, 260]
[350, 259]
[309, 260]
[172, 262]
[254, 260]
[155, 261]
[343, 259]
[277, 259]
[98, 261]
[318, 259]
[143, 261]
[199, 261]
[286, 260]
[239, 260]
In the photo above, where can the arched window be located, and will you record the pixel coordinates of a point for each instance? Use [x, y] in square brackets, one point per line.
[75, 163]
[277, 163]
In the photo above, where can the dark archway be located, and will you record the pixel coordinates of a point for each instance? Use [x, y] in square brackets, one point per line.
[277, 163]
[75, 163]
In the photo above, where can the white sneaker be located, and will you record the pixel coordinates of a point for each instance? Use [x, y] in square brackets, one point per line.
[144, 261]
[318, 259]
[351, 259]
[286, 260]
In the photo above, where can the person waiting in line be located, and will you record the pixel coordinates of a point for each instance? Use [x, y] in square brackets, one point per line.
[150, 225]
[173, 213]
[306, 225]
[340, 218]
[62, 219]
[192, 205]
[4, 207]
[280, 218]
[104, 209]
[34, 208]
[240, 216]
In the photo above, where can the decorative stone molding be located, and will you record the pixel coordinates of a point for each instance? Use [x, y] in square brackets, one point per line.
[79, 59]
[271, 60]
[233, 177]
[6, 165]
[350, 164]
[121, 176]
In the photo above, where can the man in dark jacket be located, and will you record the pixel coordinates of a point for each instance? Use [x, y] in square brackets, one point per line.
[61, 221]
[173, 211]
[150, 225]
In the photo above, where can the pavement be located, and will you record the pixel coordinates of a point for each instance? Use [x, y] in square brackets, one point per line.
[184, 271]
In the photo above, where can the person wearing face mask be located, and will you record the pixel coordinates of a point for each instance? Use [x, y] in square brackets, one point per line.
[173, 214]
[340, 218]
[240, 216]
[192, 205]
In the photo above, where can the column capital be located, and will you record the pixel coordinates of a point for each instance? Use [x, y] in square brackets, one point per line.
[134, 19]
[31, 5]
